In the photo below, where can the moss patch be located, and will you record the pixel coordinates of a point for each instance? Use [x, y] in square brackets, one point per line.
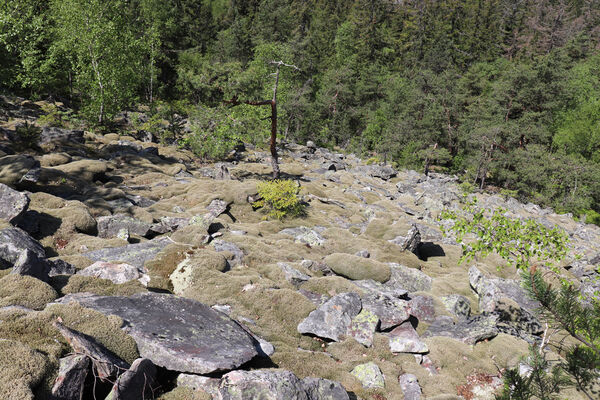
[184, 393]
[102, 287]
[26, 291]
[330, 285]
[163, 265]
[358, 268]
[21, 368]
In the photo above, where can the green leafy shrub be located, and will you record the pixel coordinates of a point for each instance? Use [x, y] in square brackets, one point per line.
[280, 199]
[532, 248]
[28, 134]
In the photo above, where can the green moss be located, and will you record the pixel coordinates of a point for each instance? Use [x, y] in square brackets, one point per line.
[21, 368]
[163, 265]
[330, 285]
[26, 291]
[102, 287]
[358, 268]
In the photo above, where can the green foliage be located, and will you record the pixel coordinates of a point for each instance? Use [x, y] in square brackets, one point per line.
[519, 242]
[280, 199]
[529, 245]
[28, 135]
[54, 116]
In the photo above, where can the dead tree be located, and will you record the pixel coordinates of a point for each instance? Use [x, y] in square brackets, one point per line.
[273, 117]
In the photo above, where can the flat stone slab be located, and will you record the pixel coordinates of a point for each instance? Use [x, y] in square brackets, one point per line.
[390, 310]
[116, 273]
[12, 203]
[134, 254]
[470, 331]
[111, 225]
[177, 333]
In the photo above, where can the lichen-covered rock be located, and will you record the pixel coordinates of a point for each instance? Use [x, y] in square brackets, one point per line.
[391, 311]
[409, 279]
[458, 305]
[410, 241]
[305, 235]
[12, 203]
[470, 331]
[332, 319]
[111, 225]
[177, 333]
[422, 308]
[363, 327]
[292, 275]
[29, 263]
[358, 268]
[369, 375]
[116, 273]
[404, 339]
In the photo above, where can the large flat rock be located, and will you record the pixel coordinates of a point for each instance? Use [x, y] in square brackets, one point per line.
[177, 333]
[133, 254]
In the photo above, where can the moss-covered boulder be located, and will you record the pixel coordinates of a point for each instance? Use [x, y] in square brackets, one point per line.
[358, 268]
[21, 369]
[12, 168]
[25, 291]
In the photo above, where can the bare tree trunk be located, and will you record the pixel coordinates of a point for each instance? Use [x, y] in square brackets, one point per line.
[100, 85]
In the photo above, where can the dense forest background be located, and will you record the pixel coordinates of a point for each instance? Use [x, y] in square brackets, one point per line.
[505, 93]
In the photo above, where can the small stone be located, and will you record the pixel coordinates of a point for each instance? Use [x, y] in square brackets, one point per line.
[363, 253]
[305, 235]
[410, 241]
[410, 387]
[369, 375]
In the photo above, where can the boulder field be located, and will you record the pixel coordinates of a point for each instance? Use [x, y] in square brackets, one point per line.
[132, 270]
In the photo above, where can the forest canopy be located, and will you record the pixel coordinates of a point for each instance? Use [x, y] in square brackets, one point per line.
[504, 93]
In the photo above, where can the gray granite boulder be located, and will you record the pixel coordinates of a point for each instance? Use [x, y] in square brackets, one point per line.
[422, 308]
[305, 235]
[13, 241]
[292, 275]
[116, 273]
[410, 241]
[177, 333]
[53, 135]
[470, 331]
[237, 254]
[111, 225]
[458, 305]
[410, 279]
[404, 339]
[12, 203]
[333, 318]
[134, 254]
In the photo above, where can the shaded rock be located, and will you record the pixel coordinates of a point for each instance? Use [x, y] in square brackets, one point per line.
[305, 235]
[177, 333]
[54, 135]
[358, 268]
[422, 308]
[391, 311]
[14, 241]
[120, 205]
[470, 331]
[133, 254]
[215, 208]
[72, 372]
[410, 241]
[87, 170]
[404, 339]
[13, 168]
[12, 203]
[140, 201]
[410, 279]
[29, 221]
[369, 375]
[362, 327]
[410, 387]
[237, 255]
[292, 275]
[110, 226]
[458, 305]
[332, 319]
[136, 383]
[53, 159]
[30, 264]
[106, 363]
[116, 273]
[60, 267]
